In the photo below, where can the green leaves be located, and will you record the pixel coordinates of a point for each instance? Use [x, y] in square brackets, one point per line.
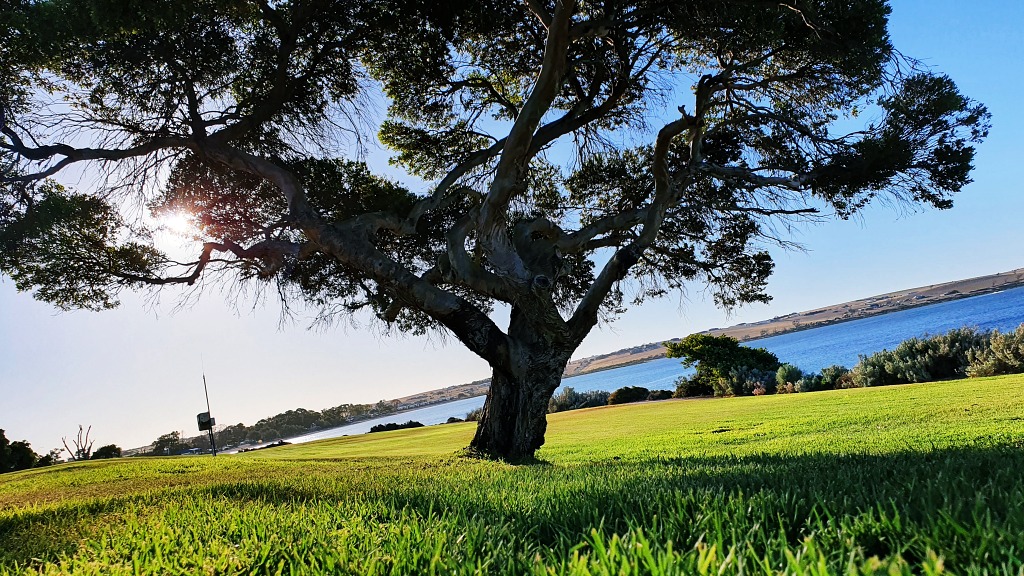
[921, 151]
[70, 249]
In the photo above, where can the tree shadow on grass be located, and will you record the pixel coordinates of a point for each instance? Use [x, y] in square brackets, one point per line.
[966, 503]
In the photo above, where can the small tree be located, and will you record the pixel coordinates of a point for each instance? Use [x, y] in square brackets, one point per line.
[82, 444]
[721, 363]
[52, 457]
[168, 444]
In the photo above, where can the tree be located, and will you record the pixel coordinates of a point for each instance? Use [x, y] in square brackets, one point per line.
[108, 451]
[82, 444]
[168, 444]
[571, 164]
[17, 455]
[52, 457]
[718, 358]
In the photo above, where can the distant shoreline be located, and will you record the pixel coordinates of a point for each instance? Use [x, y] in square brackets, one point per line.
[827, 316]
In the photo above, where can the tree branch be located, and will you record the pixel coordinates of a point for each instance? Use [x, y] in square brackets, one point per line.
[516, 153]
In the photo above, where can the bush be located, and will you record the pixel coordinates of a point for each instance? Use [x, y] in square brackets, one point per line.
[395, 426]
[690, 386]
[925, 359]
[659, 395]
[108, 451]
[809, 382]
[788, 374]
[833, 377]
[569, 399]
[1004, 355]
[743, 381]
[475, 414]
[628, 394]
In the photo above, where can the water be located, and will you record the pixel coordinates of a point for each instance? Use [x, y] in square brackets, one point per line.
[436, 414]
[811, 350]
[841, 343]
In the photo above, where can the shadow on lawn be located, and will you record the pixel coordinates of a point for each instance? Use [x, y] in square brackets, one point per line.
[967, 503]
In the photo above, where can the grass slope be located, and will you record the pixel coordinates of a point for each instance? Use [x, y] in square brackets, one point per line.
[911, 479]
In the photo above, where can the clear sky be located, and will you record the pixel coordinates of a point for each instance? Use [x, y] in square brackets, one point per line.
[136, 372]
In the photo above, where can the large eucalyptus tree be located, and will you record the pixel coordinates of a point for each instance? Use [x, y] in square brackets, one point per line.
[577, 155]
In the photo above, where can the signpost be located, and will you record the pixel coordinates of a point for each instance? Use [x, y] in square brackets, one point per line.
[206, 422]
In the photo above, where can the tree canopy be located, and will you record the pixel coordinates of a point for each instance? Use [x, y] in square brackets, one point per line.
[713, 357]
[575, 156]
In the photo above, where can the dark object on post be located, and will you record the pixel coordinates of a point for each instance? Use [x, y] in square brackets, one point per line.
[206, 422]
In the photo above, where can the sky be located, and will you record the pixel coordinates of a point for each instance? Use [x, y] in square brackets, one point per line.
[135, 373]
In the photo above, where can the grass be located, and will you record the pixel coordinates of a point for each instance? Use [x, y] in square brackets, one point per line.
[910, 479]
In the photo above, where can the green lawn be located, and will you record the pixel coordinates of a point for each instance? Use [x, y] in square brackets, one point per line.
[908, 479]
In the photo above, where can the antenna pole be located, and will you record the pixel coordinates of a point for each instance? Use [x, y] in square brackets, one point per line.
[213, 443]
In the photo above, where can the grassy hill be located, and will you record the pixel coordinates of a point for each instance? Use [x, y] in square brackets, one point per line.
[911, 479]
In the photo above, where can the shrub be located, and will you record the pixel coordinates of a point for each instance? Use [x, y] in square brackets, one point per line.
[1004, 355]
[659, 395]
[787, 374]
[809, 382]
[475, 414]
[743, 380]
[395, 426]
[690, 386]
[832, 376]
[569, 399]
[108, 451]
[925, 359]
[628, 394]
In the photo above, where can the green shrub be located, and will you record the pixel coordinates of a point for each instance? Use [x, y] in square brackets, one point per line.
[474, 414]
[834, 376]
[743, 381]
[691, 386]
[787, 374]
[569, 399]
[390, 426]
[628, 394]
[942, 357]
[809, 382]
[659, 395]
[1004, 355]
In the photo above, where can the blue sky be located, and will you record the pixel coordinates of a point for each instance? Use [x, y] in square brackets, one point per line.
[136, 372]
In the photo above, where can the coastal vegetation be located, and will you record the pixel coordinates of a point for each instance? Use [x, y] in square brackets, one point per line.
[891, 480]
[725, 368]
[388, 427]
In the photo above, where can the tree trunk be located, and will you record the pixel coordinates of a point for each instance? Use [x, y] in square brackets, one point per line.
[514, 417]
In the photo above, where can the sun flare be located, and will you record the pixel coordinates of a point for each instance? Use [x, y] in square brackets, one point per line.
[179, 223]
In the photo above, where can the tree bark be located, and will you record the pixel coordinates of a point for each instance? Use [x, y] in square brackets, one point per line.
[514, 417]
